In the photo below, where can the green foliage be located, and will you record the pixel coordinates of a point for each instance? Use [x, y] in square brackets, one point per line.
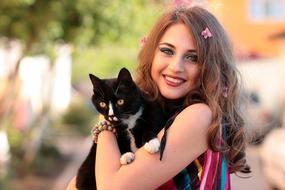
[15, 138]
[119, 43]
[28, 21]
[86, 22]
[79, 116]
[48, 157]
[40, 25]
[103, 62]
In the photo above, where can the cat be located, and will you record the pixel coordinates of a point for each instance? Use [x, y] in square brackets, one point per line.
[137, 121]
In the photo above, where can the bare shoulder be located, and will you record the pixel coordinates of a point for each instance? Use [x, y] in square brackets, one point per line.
[71, 184]
[199, 108]
[195, 118]
[199, 113]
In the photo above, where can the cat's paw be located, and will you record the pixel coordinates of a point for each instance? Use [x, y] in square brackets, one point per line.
[152, 146]
[127, 158]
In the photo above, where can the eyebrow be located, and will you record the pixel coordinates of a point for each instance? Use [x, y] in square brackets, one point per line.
[172, 46]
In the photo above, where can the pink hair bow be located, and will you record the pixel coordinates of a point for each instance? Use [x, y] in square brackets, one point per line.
[225, 92]
[142, 41]
[184, 3]
[206, 33]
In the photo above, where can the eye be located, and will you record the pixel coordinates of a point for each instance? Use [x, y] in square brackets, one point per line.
[120, 102]
[166, 51]
[102, 104]
[191, 58]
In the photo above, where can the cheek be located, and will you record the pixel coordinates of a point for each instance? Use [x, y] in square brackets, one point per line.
[157, 66]
[194, 74]
[154, 69]
[196, 77]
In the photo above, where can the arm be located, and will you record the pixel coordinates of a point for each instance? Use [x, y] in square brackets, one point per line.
[71, 184]
[187, 139]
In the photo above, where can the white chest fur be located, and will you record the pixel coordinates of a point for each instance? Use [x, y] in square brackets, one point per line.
[131, 122]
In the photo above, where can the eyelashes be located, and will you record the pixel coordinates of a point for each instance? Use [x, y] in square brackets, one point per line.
[189, 57]
[166, 50]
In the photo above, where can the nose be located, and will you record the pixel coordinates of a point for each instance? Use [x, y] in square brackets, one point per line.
[176, 65]
[111, 115]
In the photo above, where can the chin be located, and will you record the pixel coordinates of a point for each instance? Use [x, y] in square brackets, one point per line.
[172, 95]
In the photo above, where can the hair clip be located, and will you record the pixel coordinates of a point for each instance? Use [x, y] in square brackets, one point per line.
[186, 4]
[142, 41]
[182, 3]
[206, 33]
[225, 92]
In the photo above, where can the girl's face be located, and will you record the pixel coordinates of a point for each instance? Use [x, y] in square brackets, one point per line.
[174, 68]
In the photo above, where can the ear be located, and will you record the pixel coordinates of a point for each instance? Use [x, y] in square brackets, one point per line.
[95, 81]
[125, 77]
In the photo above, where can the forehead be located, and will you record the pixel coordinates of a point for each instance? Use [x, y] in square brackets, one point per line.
[179, 36]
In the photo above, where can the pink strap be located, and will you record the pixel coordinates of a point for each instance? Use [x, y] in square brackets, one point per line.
[209, 170]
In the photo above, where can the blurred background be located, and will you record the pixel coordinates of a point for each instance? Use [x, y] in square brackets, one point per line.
[48, 48]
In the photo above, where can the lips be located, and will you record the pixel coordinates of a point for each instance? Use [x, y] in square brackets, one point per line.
[173, 80]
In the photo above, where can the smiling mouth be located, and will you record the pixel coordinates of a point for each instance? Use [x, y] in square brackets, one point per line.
[173, 81]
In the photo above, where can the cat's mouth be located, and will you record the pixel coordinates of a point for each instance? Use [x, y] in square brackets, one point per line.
[112, 118]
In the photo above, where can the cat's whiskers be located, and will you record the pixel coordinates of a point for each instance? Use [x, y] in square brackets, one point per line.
[116, 91]
[143, 119]
[127, 114]
[100, 91]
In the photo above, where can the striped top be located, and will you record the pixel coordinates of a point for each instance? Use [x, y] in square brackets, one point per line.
[208, 172]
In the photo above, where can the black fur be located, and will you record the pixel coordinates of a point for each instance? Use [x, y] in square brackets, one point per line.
[146, 126]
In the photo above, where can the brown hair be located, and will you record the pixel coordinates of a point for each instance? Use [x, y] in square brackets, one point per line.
[218, 72]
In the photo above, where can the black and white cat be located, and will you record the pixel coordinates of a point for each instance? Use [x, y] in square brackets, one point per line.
[136, 119]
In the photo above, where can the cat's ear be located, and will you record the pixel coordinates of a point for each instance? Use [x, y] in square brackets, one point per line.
[95, 81]
[125, 76]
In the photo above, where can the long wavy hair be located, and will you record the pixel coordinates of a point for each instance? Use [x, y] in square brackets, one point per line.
[219, 82]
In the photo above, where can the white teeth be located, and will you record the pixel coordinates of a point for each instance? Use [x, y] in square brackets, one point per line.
[174, 80]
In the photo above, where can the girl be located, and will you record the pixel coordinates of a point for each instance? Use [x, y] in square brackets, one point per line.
[186, 62]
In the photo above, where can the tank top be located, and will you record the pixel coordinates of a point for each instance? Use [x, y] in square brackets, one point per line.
[208, 172]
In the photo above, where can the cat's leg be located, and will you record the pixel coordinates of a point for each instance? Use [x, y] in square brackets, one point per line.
[152, 146]
[127, 158]
[151, 142]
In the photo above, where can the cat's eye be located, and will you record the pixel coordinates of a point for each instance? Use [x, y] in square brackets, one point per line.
[102, 104]
[120, 102]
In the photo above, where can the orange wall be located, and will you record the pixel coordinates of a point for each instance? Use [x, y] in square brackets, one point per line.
[248, 36]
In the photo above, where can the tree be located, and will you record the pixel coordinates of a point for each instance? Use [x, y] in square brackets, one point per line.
[39, 25]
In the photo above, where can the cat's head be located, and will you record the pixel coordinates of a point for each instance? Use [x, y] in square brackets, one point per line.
[116, 98]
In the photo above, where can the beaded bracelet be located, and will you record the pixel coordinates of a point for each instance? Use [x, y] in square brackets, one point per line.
[101, 126]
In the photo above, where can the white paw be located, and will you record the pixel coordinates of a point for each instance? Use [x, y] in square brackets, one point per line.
[152, 146]
[127, 158]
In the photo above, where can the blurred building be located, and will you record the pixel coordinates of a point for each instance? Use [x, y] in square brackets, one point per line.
[250, 23]
[41, 83]
[256, 28]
